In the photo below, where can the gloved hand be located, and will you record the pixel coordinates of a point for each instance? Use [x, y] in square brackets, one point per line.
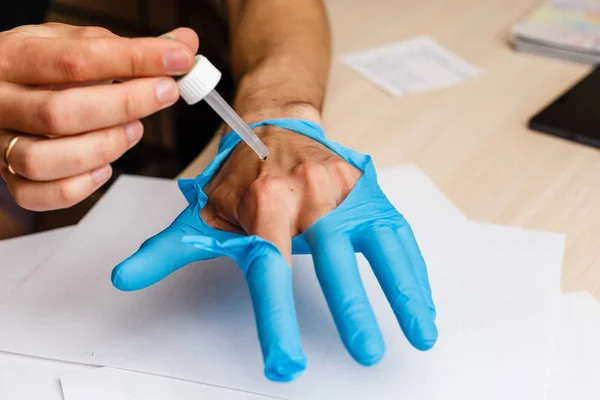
[332, 206]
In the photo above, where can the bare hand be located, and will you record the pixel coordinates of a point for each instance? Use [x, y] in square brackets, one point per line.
[279, 198]
[56, 94]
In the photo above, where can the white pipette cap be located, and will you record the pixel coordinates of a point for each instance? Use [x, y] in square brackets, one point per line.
[200, 84]
[200, 81]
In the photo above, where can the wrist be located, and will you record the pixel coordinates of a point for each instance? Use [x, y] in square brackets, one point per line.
[268, 91]
[303, 111]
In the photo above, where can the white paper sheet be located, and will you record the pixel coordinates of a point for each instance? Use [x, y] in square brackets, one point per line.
[25, 377]
[574, 376]
[576, 363]
[20, 256]
[496, 308]
[30, 378]
[182, 327]
[116, 384]
[415, 194]
[412, 66]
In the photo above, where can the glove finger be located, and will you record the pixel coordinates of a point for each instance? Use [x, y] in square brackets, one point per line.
[158, 257]
[269, 277]
[338, 275]
[269, 280]
[393, 268]
[415, 257]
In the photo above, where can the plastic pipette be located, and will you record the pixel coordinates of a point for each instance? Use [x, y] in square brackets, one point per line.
[200, 84]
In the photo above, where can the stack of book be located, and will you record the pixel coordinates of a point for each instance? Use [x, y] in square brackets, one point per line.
[565, 29]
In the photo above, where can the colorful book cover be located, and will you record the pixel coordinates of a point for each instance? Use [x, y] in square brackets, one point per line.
[564, 23]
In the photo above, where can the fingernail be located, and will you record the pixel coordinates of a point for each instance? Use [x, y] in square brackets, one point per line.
[167, 91]
[134, 131]
[101, 175]
[178, 61]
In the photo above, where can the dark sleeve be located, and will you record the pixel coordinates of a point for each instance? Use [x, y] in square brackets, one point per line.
[22, 12]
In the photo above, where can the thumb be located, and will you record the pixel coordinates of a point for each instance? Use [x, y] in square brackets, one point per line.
[158, 257]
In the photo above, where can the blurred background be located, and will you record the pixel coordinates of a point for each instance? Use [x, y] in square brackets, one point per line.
[172, 137]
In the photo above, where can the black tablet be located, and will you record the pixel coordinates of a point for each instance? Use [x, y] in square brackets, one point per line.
[575, 115]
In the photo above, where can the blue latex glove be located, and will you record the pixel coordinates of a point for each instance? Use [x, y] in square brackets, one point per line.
[364, 222]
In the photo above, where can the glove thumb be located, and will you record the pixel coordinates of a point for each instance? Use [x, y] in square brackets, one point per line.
[158, 257]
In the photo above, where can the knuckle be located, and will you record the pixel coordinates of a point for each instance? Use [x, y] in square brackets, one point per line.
[343, 169]
[136, 61]
[19, 195]
[94, 31]
[12, 47]
[339, 165]
[73, 65]
[51, 114]
[52, 26]
[312, 172]
[29, 163]
[131, 104]
[346, 174]
[267, 188]
[106, 149]
[5, 64]
[69, 194]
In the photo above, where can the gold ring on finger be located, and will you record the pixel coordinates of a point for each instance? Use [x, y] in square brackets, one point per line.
[7, 151]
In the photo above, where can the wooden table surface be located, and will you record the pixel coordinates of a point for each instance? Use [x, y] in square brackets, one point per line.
[471, 139]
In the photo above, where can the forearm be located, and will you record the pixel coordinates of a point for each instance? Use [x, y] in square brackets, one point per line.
[280, 57]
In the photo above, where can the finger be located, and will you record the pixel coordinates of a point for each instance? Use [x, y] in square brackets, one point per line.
[58, 29]
[41, 159]
[395, 271]
[5, 138]
[83, 109]
[49, 29]
[185, 35]
[91, 32]
[44, 60]
[269, 280]
[157, 258]
[270, 221]
[414, 255]
[44, 196]
[338, 275]
[64, 86]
